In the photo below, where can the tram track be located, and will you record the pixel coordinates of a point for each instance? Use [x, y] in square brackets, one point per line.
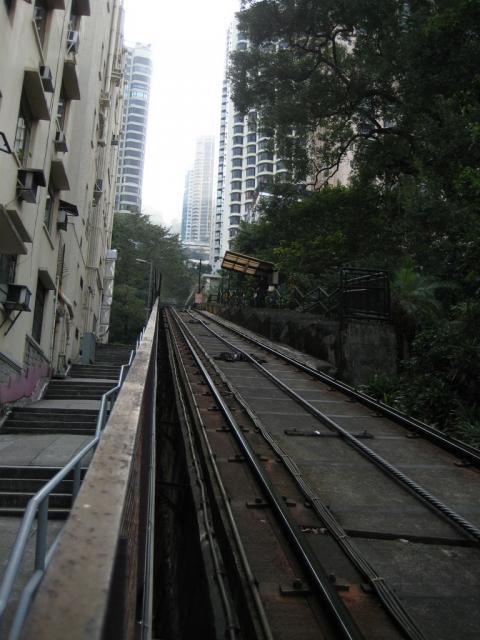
[452, 534]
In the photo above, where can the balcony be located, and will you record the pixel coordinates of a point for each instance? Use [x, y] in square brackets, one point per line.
[35, 94]
[13, 234]
[71, 85]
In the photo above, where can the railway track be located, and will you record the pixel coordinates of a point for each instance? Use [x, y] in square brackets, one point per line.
[340, 519]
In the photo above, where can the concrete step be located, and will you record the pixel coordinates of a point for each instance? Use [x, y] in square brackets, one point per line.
[45, 418]
[31, 485]
[31, 472]
[17, 512]
[53, 411]
[81, 384]
[76, 428]
[20, 499]
[73, 395]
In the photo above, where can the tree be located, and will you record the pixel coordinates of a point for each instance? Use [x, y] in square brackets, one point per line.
[394, 82]
[136, 237]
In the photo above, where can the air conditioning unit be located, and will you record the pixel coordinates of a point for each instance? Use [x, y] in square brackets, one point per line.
[62, 220]
[60, 141]
[46, 77]
[17, 297]
[98, 189]
[28, 181]
[73, 42]
[115, 141]
[104, 99]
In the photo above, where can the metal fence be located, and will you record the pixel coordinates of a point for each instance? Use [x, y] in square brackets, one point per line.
[98, 584]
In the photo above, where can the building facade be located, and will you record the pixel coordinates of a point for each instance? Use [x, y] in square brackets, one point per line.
[61, 67]
[198, 196]
[247, 164]
[137, 76]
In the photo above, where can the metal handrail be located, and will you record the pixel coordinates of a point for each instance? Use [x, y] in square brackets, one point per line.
[39, 503]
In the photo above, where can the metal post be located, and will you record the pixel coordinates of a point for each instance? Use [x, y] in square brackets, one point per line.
[77, 472]
[41, 542]
[200, 276]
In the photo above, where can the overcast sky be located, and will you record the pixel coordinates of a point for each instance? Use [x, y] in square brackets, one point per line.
[188, 39]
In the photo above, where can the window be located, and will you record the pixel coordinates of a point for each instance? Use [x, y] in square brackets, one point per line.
[40, 297]
[40, 13]
[237, 173]
[7, 268]
[62, 110]
[49, 204]
[136, 93]
[237, 162]
[252, 137]
[249, 195]
[135, 127]
[238, 128]
[234, 208]
[235, 220]
[250, 184]
[238, 118]
[236, 185]
[265, 166]
[251, 148]
[265, 155]
[250, 171]
[237, 139]
[235, 197]
[237, 151]
[23, 132]
[142, 60]
[251, 160]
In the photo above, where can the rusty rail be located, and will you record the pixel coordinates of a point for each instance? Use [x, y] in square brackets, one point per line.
[98, 584]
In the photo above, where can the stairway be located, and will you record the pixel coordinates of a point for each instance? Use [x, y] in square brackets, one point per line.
[36, 420]
[19, 484]
[72, 389]
[68, 407]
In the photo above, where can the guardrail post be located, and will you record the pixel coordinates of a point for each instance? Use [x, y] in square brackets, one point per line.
[77, 473]
[41, 542]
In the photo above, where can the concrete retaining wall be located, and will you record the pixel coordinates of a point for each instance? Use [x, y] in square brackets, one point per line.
[357, 350]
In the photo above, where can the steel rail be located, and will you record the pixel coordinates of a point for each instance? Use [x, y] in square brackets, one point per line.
[383, 590]
[460, 449]
[208, 527]
[416, 489]
[320, 580]
[38, 504]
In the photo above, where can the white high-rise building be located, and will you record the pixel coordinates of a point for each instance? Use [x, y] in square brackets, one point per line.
[60, 115]
[198, 197]
[137, 76]
[247, 165]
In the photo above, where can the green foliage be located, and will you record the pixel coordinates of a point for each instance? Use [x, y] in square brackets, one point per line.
[136, 237]
[394, 87]
[440, 382]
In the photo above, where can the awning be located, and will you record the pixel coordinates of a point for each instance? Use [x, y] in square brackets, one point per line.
[56, 4]
[81, 7]
[19, 226]
[35, 94]
[233, 261]
[11, 242]
[71, 85]
[69, 208]
[58, 175]
[46, 279]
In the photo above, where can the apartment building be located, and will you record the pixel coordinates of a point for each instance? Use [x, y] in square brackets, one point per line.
[247, 163]
[198, 196]
[60, 117]
[137, 77]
